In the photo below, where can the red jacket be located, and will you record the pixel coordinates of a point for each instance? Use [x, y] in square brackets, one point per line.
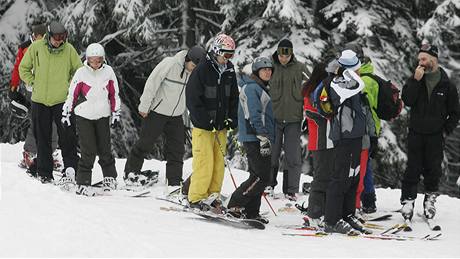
[318, 128]
[15, 79]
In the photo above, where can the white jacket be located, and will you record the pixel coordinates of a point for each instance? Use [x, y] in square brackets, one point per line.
[93, 94]
[164, 91]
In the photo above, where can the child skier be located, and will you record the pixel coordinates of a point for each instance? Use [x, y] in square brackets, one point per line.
[93, 97]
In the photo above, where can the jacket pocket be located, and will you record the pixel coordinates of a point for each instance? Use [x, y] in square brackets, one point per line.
[156, 106]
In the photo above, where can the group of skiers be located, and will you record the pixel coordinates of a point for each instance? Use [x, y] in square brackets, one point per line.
[338, 100]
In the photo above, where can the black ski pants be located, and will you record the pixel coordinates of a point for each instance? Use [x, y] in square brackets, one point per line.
[43, 116]
[341, 192]
[322, 168]
[248, 194]
[424, 157]
[94, 139]
[153, 126]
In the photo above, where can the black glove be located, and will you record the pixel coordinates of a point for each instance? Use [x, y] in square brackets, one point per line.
[304, 126]
[265, 146]
[374, 147]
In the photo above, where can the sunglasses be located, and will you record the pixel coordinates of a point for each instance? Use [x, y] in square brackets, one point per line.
[59, 36]
[227, 55]
[285, 51]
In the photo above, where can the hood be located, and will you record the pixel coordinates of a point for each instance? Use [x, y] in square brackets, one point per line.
[367, 68]
[180, 57]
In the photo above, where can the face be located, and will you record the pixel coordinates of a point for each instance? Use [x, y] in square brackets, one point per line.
[95, 62]
[284, 59]
[427, 61]
[56, 42]
[265, 74]
[37, 37]
[189, 66]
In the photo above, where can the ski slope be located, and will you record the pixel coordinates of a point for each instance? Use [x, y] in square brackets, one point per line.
[42, 221]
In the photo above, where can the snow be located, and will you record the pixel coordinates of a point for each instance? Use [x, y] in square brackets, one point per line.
[41, 221]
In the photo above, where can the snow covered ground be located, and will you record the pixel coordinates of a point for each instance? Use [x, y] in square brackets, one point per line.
[42, 221]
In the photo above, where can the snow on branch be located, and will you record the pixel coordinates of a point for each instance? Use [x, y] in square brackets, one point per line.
[110, 37]
[208, 20]
[196, 9]
[164, 12]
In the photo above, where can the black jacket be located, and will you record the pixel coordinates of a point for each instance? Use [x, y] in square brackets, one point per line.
[212, 96]
[439, 113]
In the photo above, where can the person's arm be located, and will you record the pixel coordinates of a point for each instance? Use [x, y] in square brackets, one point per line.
[410, 91]
[194, 94]
[254, 108]
[153, 83]
[27, 65]
[114, 97]
[453, 109]
[15, 79]
[233, 104]
[75, 61]
[74, 91]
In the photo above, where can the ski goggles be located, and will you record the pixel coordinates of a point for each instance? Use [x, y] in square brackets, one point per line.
[59, 36]
[227, 54]
[285, 51]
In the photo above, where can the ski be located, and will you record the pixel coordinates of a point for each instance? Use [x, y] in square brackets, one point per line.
[369, 217]
[430, 222]
[229, 220]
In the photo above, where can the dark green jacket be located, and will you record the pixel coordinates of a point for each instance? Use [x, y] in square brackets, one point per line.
[286, 89]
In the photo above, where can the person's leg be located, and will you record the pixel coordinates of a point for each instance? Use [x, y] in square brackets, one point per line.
[349, 201]
[42, 119]
[362, 174]
[292, 156]
[415, 151]
[276, 152]
[220, 146]
[104, 147]
[202, 164]
[67, 138]
[175, 149]
[88, 149]
[323, 164]
[152, 127]
[432, 160]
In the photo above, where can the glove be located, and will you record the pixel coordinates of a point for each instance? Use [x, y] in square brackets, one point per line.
[265, 146]
[304, 126]
[229, 124]
[212, 126]
[65, 120]
[374, 147]
[115, 122]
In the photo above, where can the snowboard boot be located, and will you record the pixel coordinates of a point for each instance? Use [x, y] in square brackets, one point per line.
[109, 184]
[341, 227]
[85, 190]
[407, 210]
[356, 224]
[429, 210]
[67, 181]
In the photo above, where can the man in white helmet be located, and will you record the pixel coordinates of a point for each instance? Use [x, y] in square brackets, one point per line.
[212, 99]
[93, 98]
[162, 105]
[48, 66]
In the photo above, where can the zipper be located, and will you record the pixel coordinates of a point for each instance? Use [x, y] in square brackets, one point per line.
[181, 92]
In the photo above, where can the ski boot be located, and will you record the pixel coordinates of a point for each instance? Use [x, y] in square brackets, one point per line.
[109, 184]
[429, 210]
[407, 210]
[356, 224]
[341, 227]
[67, 181]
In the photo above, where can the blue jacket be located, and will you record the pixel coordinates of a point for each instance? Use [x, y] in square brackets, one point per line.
[255, 111]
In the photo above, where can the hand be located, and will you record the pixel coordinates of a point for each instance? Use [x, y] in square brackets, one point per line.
[265, 146]
[143, 114]
[304, 126]
[115, 122]
[419, 72]
[65, 120]
[374, 147]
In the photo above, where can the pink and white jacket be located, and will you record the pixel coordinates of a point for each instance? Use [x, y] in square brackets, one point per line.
[93, 94]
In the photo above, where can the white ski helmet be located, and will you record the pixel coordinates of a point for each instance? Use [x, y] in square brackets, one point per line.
[95, 50]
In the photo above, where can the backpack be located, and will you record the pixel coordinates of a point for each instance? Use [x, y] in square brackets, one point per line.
[321, 101]
[389, 104]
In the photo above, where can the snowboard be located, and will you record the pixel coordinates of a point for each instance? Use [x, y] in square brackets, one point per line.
[228, 220]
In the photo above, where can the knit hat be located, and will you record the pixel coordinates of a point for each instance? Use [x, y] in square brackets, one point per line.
[431, 50]
[285, 47]
[349, 60]
[39, 29]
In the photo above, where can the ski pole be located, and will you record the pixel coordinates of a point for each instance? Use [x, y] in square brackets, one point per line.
[231, 175]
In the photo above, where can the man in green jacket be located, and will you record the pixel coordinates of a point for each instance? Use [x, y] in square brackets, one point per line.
[286, 94]
[48, 66]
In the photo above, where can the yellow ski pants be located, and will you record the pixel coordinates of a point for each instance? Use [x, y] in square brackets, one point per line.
[208, 163]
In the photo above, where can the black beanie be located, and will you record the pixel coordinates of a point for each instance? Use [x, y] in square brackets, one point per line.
[431, 50]
[285, 43]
